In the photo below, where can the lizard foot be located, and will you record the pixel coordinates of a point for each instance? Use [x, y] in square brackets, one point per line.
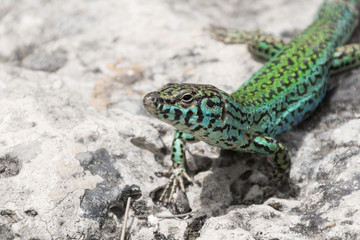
[226, 35]
[176, 179]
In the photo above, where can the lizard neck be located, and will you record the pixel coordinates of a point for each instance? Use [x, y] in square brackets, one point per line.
[221, 124]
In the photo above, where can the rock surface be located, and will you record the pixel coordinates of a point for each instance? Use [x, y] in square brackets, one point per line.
[74, 135]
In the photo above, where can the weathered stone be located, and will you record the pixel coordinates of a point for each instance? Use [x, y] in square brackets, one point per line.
[74, 136]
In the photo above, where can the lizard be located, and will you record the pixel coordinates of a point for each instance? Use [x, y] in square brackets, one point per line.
[277, 97]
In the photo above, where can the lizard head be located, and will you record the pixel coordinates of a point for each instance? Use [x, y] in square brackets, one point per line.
[192, 108]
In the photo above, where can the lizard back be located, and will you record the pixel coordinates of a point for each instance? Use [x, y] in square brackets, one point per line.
[291, 84]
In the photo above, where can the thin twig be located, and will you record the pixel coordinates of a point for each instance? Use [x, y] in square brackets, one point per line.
[125, 218]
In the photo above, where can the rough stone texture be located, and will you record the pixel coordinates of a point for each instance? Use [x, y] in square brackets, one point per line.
[73, 133]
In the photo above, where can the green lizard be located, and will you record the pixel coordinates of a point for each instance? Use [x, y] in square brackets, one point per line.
[277, 97]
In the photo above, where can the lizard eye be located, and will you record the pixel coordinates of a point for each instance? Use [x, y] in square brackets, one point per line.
[187, 98]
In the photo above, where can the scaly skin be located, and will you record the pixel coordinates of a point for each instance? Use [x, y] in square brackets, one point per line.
[277, 97]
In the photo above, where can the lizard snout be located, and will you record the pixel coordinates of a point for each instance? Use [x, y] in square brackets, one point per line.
[150, 101]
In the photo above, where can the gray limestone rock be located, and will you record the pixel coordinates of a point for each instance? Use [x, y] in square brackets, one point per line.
[75, 140]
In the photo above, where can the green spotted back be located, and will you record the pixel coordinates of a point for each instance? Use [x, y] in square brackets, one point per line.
[291, 85]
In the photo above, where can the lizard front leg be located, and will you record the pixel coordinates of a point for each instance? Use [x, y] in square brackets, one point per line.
[178, 159]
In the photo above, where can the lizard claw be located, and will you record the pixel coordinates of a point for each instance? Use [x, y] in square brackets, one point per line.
[176, 178]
